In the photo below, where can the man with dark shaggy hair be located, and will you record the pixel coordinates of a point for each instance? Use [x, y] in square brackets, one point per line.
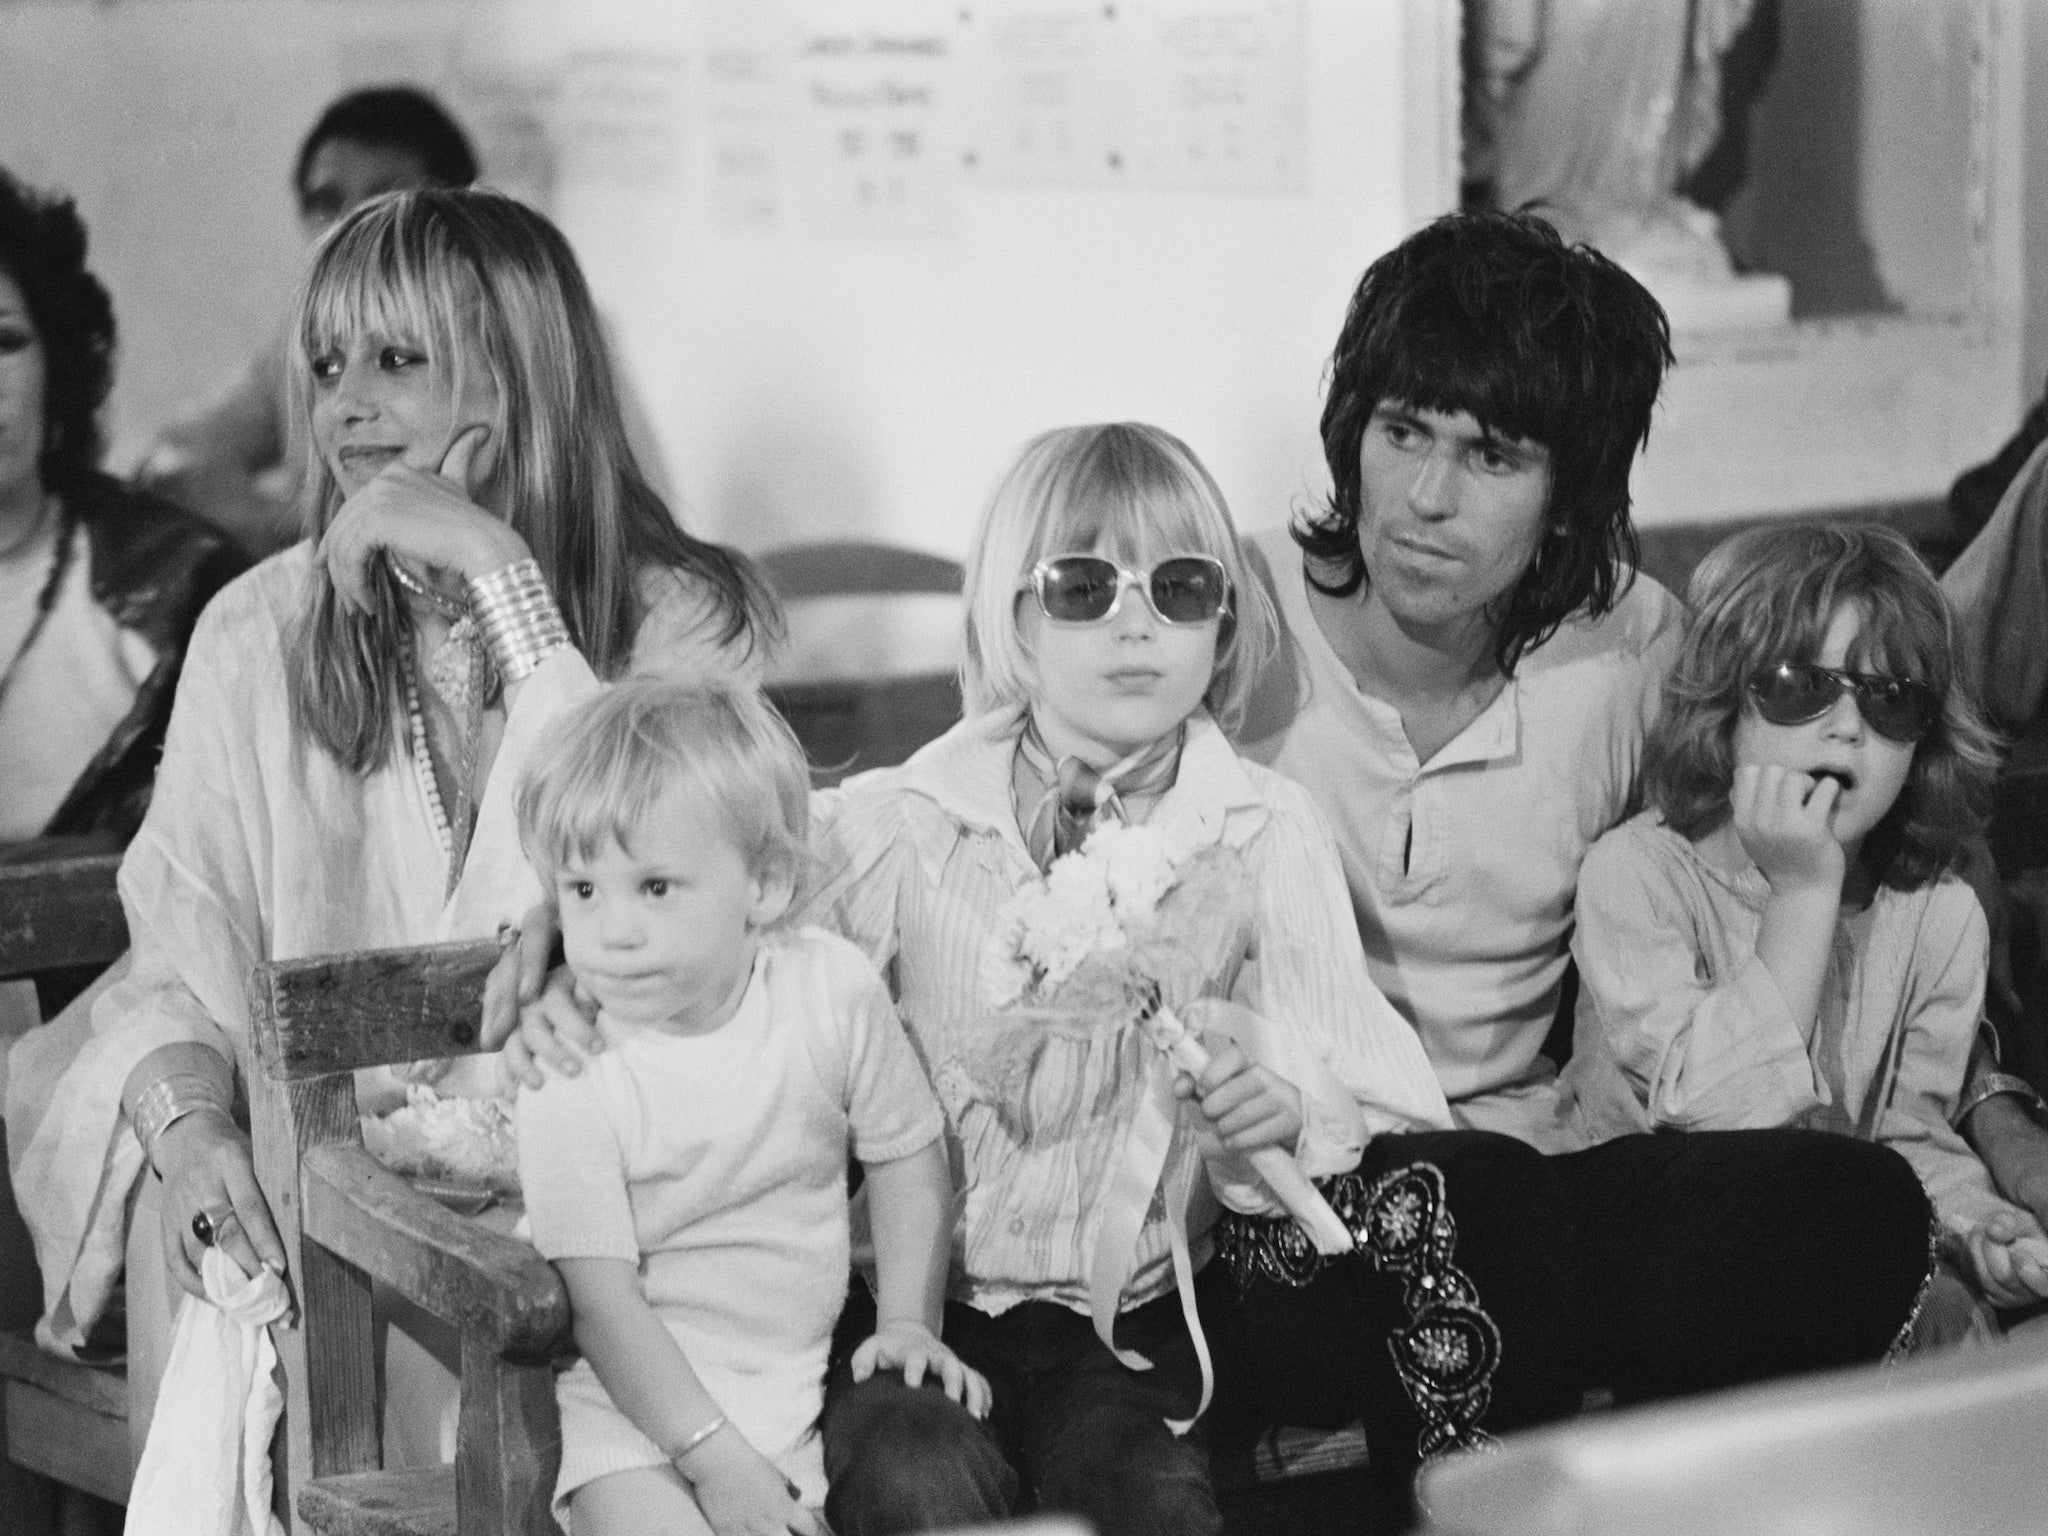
[1469, 669]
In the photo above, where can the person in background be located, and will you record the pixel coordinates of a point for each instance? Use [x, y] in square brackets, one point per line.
[99, 585]
[229, 461]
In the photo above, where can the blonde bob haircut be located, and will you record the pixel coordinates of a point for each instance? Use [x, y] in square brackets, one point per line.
[1125, 490]
[483, 284]
[602, 770]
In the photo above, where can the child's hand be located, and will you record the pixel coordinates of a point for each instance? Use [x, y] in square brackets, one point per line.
[1782, 818]
[740, 1491]
[558, 1032]
[1248, 1106]
[914, 1349]
[2009, 1257]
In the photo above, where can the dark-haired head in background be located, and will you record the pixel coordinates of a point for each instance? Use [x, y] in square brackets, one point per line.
[388, 138]
[99, 586]
[228, 462]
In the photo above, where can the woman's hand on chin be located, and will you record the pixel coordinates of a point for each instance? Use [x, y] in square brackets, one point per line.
[426, 520]
[208, 1170]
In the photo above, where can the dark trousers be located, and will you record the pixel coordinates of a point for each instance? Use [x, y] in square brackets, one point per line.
[1072, 1429]
[1448, 1325]
[1711, 1259]
[1652, 1266]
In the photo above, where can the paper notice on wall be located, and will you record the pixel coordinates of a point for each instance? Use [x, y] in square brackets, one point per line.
[1192, 95]
[1216, 94]
[619, 121]
[873, 147]
[747, 54]
[1041, 90]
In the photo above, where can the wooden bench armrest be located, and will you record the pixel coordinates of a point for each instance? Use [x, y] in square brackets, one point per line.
[494, 1288]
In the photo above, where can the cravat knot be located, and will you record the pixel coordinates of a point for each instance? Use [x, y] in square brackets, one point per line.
[1069, 799]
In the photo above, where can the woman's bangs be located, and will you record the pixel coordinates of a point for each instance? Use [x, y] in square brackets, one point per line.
[376, 284]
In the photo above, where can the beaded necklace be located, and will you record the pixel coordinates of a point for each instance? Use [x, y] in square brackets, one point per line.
[453, 832]
[46, 599]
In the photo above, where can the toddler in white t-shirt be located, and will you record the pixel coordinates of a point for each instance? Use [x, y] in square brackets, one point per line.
[690, 1186]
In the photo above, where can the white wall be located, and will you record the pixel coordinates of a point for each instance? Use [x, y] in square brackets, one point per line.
[800, 384]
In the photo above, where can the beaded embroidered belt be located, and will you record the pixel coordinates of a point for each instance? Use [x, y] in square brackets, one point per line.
[1447, 1351]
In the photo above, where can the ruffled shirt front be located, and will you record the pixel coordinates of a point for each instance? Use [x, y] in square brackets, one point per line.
[919, 862]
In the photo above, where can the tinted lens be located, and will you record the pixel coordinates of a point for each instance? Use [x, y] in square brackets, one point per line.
[1188, 590]
[1791, 694]
[1077, 589]
[1897, 707]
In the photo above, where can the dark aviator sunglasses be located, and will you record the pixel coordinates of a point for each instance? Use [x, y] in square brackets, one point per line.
[1087, 589]
[1794, 692]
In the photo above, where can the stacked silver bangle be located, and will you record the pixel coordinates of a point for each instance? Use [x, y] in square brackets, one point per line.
[170, 1099]
[517, 615]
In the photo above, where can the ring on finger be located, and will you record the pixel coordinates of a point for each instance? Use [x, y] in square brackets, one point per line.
[207, 1228]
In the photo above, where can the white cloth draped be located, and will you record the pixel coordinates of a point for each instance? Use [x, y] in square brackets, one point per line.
[206, 1469]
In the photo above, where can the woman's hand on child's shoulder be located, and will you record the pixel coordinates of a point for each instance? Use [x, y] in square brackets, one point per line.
[542, 1019]
[1783, 819]
[912, 1348]
[2009, 1257]
[741, 1493]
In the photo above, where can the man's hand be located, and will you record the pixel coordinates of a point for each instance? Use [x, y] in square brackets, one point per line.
[2009, 1258]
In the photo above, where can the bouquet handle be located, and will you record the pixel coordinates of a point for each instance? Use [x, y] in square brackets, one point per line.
[1184, 1050]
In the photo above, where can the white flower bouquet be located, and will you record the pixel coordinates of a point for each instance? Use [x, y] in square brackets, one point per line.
[1118, 934]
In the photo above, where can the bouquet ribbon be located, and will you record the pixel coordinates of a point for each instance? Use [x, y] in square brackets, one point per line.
[1125, 1205]
[1129, 1198]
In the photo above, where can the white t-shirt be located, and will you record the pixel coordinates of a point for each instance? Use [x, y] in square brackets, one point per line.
[717, 1164]
[1463, 869]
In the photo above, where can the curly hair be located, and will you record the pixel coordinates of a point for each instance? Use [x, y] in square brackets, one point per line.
[1494, 315]
[42, 248]
[1768, 595]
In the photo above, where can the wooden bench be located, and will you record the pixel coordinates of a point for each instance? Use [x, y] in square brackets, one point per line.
[848, 723]
[60, 918]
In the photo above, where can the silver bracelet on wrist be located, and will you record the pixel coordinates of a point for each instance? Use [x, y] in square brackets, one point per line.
[700, 1437]
[521, 624]
[167, 1101]
[1992, 1085]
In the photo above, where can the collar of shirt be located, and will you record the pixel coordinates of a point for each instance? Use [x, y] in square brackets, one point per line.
[966, 774]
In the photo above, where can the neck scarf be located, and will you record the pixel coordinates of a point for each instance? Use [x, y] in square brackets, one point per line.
[1068, 799]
